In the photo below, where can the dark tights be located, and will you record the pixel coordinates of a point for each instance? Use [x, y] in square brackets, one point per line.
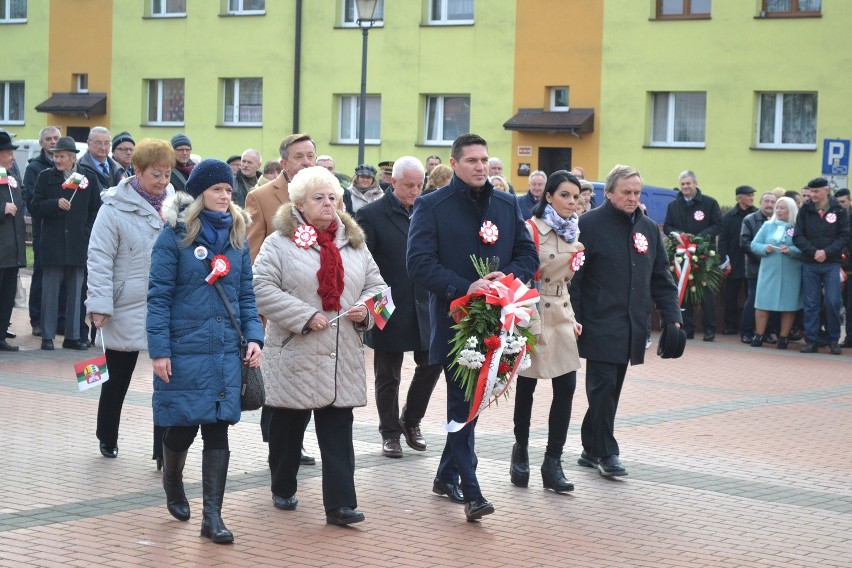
[179, 438]
[560, 411]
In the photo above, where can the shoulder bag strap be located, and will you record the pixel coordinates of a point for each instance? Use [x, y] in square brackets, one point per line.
[229, 309]
[531, 223]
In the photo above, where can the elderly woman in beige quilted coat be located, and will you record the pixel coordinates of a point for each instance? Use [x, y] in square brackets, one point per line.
[314, 268]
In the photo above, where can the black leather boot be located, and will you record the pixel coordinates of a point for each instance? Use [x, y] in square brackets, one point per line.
[214, 473]
[552, 477]
[519, 472]
[176, 502]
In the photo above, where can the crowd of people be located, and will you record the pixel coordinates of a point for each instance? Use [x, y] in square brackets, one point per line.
[214, 265]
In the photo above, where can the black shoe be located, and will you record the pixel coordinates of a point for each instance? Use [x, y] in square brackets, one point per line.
[37, 330]
[413, 437]
[769, 338]
[6, 346]
[519, 470]
[176, 501]
[610, 466]
[451, 490]
[709, 335]
[782, 343]
[78, 344]
[344, 516]
[747, 338]
[285, 503]
[809, 348]
[834, 348]
[10, 335]
[305, 459]
[391, 448]
[475, 510]
[586, 460]
[109, 451]
[214, 474]
[47, 344]
[795, 335]
[757, 341]
[729, 331]
[552, 476]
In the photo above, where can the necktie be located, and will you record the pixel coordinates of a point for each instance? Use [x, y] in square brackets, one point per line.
[821, 213]
[105, 169]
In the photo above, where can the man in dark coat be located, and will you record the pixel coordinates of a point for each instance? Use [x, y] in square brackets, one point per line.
[12, 234]
[445, 232]
[696, 214]
[822, 231]
[626, 268]
[385, 223]
[751, 225]
[730, 251]
[109, 172]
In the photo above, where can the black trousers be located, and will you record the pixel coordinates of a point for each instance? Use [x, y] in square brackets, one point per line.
[121, 365]
[732, 302]
[334, 434]
[708, 313]
[603, 389]
[8, 289]
[35, 281]
[387, 366]
[266, 416]
[560, 411]
[180, 438]
[459, 461]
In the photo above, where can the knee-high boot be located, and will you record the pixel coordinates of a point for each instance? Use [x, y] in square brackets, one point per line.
[214, 473]
[176, 502]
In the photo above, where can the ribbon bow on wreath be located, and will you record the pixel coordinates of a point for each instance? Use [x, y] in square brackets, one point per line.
[682, 263]
[695, 266]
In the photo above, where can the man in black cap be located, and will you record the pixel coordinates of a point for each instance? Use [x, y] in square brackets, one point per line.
[385, 173]
[822, 230]
[12, 235]
[843, 199]
[694, 213]
[731, 253]
[122, 151]
[183, 161]
[234, 161]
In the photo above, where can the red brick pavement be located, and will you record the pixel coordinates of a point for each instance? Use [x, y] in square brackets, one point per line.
[737, 457]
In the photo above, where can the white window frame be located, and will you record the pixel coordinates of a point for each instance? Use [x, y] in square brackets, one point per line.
[164, 10]
[440, 139]
[7, 4]
[234, 120]
[348, 114]
[349, 14]
[6, 87]
[81, 82]
[159, 120]
[240, 11]
[776, 144]
[442, 19]
[560, 108]
[669, 141]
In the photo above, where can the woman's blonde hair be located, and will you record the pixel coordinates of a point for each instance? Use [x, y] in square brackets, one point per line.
[792, 211]
[193, 223]
[441, 176]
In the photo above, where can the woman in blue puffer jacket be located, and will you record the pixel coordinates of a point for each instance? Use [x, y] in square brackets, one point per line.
[193, 346]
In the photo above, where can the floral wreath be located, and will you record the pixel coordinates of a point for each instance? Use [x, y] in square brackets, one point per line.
[577, 260]
[305, 236]
[489, 233]
[694, 265]
[640, 243]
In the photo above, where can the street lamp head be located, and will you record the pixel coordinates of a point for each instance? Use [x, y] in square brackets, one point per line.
[367, 11]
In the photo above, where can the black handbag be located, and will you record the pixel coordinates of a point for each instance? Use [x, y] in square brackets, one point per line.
[252, 395]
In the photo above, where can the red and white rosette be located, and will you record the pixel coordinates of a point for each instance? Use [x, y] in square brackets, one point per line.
[221, 267]
[698, 215]
[831, 218]
[489, 233]
[305, 236]
[790, 231]
[12, 183]
[577, 260]
[640, 243]
[84, 183]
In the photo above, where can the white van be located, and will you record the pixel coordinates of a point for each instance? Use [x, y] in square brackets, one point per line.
[29, 149]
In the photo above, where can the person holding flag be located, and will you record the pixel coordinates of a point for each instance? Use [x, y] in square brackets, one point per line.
[385, 223]
[12, 235]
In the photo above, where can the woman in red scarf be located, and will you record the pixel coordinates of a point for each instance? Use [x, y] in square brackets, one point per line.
[311, 279]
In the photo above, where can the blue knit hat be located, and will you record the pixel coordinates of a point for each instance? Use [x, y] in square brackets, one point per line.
[206, 174]
[179, 140]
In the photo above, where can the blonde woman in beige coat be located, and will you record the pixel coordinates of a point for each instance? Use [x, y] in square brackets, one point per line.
[553, 228]
[314, 268]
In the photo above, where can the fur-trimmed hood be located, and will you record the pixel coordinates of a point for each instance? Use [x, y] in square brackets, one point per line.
[175, 206]
[288, 218]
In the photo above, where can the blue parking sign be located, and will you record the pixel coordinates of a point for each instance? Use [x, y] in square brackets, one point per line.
[835, 157]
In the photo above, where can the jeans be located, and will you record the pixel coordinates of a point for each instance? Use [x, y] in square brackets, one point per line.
[819, 278]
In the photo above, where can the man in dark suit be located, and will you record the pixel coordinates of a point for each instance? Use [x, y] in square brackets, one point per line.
[445, 232]
[385, 223]
[626, 269]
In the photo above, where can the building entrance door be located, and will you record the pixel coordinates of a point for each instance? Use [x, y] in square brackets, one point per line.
[553, 159]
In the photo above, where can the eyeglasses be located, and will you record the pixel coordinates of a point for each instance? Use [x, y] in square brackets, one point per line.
[100, 143]
[126, 149]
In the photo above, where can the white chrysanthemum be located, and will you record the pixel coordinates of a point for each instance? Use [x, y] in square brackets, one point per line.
[526, 362]
[471, 342]
[471, 359]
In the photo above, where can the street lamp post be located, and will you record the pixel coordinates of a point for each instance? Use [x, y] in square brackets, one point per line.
[366, 19]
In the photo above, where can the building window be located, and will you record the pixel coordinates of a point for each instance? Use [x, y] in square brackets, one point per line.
[450, 12]
[791, 8]
[787, 120]
[678, 119]
[246, 7]
[243, 102]
[168, 8]
[81, 82]
[682, 9]
[13, 11]
[11, 102]
[347, 131]
[447, 117]
[165, 101]
[559, 99]
[350, 14]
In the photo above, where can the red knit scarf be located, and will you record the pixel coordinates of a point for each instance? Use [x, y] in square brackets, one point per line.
[330, 274]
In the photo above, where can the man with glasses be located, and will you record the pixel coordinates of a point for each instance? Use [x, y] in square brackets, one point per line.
[183, 161]
[97, 157]
[122, 151]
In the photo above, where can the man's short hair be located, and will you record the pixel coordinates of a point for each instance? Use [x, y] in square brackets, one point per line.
[325, 158]
[540, 174]
[464, 140]
[272, 166]
[43, 132]
[284, 149]
[255, 152]
[842, 192]
[407, 163]
[98, 130]
[622, 172]
[435, 157]
[685, 174]
[495, 160]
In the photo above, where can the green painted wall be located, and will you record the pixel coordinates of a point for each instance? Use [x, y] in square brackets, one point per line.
[731, 56]
[26, 61]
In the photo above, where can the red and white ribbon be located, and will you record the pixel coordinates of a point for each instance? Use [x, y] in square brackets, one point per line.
[221, 267]
[489, 233]
[305, 236]
[682, 263]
